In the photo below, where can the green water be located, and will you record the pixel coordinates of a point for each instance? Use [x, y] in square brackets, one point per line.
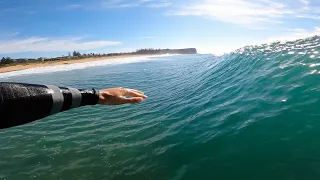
[251, 114]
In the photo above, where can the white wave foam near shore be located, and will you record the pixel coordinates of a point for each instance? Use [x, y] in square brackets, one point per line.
[75, 66]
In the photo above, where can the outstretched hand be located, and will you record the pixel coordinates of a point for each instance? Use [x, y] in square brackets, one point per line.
[117, 96]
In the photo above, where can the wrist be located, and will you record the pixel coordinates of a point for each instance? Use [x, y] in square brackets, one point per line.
[96, 94]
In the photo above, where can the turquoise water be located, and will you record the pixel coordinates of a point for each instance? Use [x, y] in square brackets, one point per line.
[250, 114]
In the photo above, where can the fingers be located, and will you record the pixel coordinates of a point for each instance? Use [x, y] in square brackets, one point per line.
[135, 93]
[132, 100]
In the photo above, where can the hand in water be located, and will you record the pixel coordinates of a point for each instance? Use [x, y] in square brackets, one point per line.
[117, 96]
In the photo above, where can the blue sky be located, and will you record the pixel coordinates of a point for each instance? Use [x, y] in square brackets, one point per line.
[46, 28]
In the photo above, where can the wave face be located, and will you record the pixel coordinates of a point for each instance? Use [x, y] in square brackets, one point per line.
[250, 114]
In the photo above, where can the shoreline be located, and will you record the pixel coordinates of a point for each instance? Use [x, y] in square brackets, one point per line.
[24, 66]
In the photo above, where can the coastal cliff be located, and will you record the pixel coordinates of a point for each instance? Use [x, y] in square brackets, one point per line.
[183, 51]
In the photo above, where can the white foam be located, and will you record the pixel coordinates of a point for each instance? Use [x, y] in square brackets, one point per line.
[313, 71]
[314, 65]
[75, 66]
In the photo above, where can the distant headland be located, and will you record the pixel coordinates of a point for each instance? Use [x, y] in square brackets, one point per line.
[9, 64]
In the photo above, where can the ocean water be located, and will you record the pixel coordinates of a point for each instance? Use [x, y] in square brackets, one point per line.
[251, 114]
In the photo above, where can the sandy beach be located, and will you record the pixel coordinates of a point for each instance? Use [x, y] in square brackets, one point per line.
[54, 63]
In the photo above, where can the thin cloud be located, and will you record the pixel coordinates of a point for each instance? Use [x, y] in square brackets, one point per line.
[18, 10]
[309, 16]
[257, 14]
[127, 5]
[295, 34]
[310, 10]
[8, 35]
[248, 12]
[13, 34]
[147, 37]
[136, 3]
[159, 5]
[304, 2]
[236, 11]
[102, 4]
[45, 44]
[119, 4]
[73, 6]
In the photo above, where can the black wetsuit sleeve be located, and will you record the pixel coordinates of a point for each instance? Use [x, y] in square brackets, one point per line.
[23, 103]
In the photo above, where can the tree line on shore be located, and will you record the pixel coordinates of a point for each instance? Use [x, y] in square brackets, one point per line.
[77, 55]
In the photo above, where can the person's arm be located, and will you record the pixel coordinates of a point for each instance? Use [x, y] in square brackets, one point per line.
[23, 103]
